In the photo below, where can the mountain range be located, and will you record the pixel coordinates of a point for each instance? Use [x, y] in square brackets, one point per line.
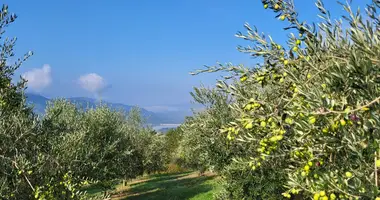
[40, 102]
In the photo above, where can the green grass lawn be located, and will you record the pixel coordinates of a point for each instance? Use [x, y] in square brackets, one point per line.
[170, 187]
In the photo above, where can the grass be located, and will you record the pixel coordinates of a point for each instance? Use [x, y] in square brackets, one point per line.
[168, 187]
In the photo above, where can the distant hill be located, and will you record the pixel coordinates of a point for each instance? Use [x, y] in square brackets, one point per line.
[39, 104]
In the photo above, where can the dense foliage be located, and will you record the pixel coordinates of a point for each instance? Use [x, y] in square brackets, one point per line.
[76, 148]
[98, 144]
[307, 115]
[203, 146]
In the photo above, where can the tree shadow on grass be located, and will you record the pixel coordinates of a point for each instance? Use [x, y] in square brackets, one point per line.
[97, 188]
[170, 189]
[160, 178]
[94, 189]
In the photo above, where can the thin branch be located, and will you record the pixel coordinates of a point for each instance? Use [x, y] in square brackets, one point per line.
[343, 191]
[26, 178]
[344, 112]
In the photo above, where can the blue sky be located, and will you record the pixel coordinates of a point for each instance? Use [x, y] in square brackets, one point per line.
[139, 51]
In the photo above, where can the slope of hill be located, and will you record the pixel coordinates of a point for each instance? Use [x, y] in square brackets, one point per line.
[39, 104]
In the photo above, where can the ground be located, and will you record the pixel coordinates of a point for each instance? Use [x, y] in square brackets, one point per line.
[178, 186]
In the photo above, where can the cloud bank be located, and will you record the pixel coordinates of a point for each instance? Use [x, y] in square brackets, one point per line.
[38, 78]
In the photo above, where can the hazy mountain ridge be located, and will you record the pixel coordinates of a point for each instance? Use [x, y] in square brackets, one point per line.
[40, 102]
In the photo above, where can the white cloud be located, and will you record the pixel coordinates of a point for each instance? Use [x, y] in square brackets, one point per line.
[38, 78]
[92, 82]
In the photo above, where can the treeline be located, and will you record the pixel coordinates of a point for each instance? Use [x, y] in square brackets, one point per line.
[58, 155]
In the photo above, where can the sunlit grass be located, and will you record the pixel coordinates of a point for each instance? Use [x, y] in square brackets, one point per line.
[178, 186]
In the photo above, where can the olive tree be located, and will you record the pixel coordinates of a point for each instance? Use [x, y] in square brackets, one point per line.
[311, 108]
[98, 144]
[25, 163]
[203, 147]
